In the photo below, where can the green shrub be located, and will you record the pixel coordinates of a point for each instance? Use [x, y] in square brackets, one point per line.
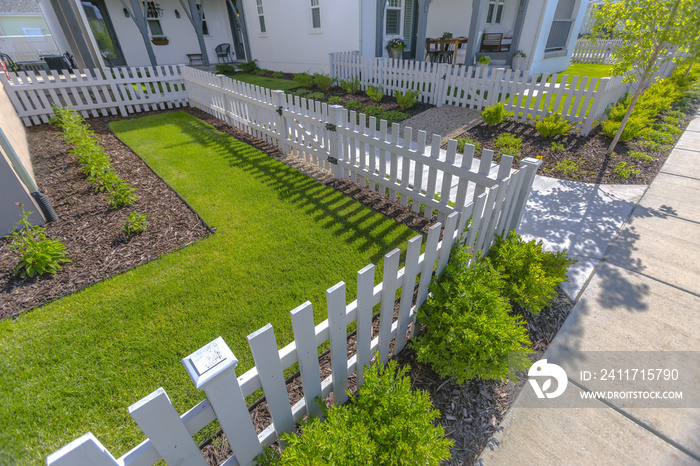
[676, 114]
[302, 92]
[508, 144]
[641, 156]
[530, 274]
[393, 116]
[260, 72]
[335, 100]
[226, 68]
[135, 224]
[666, 128]
[651, 146]
[468, 329]
[406, 99]
[660, 137]
[316, 95]
[676, 122]
[375, 93]
[351, 86]
[278, 75]
[371, 110]
[557, 147]
[353, 105]
[248, 67]
[323, 81]
[495, 114]
[120, 194]
[568, 167]
[386, 424]
[461, 142]
[552, 125]
[304, 79]
[37, 254]
[632, 129]
[624, 171]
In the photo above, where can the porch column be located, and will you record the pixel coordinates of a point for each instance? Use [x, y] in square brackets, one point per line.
[477, 8]
[423, 7]
[518, 29]
[379, 45]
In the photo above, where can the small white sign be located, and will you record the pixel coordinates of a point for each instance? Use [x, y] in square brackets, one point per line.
[206, 358]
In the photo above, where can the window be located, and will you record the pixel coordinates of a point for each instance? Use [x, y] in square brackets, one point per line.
[408, 25]
[153, 11]
[154, 26]
[315, 14]
[261, 18]
[393, 18]
[495, 12]
[205, 29]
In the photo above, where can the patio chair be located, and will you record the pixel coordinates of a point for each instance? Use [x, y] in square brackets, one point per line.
[56, 62]
[223, 53]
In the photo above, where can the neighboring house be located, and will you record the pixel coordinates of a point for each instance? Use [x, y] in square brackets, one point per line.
[24, 34]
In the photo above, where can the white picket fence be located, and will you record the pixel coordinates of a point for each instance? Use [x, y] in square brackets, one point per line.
[94, 92]
[595, 51]
[488, 199]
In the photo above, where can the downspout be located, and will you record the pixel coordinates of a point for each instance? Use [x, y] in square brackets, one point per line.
[25, 177]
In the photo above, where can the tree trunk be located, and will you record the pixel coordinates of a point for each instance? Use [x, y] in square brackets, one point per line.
[639, 91]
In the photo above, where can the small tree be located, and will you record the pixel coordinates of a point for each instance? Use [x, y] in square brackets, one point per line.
[654, 32]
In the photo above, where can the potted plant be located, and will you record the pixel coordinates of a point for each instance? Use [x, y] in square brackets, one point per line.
[447, 35]
[160, 40]
[482, 61]
[518, 62]
[395, 46]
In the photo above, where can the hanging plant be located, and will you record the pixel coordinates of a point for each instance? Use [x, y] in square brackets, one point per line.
[160, 40]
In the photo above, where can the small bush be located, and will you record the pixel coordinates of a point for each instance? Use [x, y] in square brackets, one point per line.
[335, 100]
[676, 114]
[495, 114]
[351, 86]
[323, 81]
[304, 79]
[375, 93]
[641, 156]
[461, 142]
[278, 75]
[552, 125]
[372, 110]
[468, 329]
[316, 95]
[135, 224]
[121, 194]
[406, 99]
[568, 167]
[666, 128]
[37, 254]
[393, 116]
[302, 92]
[386, 424]
[530, 274]
[659, 137]
[632, 129]
[557, 147]
[248, 67]
[260, 72]
[353, 105]
[624, 171]
[651, 146]
[226, 68]
[508, 144]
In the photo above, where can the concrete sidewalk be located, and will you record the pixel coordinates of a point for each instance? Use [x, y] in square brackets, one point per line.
[643, 296]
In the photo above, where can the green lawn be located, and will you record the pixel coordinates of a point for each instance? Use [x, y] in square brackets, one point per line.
[276, 84]
[76, 364]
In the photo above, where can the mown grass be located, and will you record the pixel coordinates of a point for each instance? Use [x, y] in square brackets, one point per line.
[276, 84]
[75, 365]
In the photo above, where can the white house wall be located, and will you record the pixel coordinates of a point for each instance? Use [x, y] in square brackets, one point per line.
[368, 27]
[540, 64]
[291, 45]
[179, 32]
[448, 16]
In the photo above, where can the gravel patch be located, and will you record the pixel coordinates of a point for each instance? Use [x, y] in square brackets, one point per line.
[447, 121]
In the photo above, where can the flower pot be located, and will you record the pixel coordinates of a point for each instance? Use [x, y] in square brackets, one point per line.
[518, 63]
[394, 53]
[160, 41]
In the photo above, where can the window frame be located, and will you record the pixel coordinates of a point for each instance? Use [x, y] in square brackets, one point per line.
[495, 12]
[394, 5]
[315, 5]
[262, 27]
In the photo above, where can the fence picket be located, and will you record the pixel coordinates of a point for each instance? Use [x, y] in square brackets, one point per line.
[307, 353]
[365, 301]
[337, 326]
[390, 284]
[409, 283]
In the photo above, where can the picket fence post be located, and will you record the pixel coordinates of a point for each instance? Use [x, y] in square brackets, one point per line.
[530, 166]
[281, 121]
[334, 138]
[600, 102]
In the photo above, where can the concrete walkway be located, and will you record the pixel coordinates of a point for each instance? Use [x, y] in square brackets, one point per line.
[643, 296]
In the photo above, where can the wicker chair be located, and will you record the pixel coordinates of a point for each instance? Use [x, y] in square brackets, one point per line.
[223, 53]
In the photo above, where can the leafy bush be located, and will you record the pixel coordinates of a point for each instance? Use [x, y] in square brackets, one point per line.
[121, 194]
[371, 110]
[393, 116]
[483, 59]
[624, 171]
[386, 424]
[302, 92]
[641, 156]
[135, 223]
[634, 126]
[248, 67]
[278, 74]
[406, 99]
[461, 142]
[260, 72]
[351, 86]
[38, 254]
[226, 68]
[353, 105]
[508, 144]
[552, 125]
[651, 146]
[660, 137]
[323, 81]
[468, 329]
[557, 147]
[530, 274]
[495, 114]
[316, 95]
[335, 100]
[375, 93]
[666, 128]
[568, 167]
[304, 79]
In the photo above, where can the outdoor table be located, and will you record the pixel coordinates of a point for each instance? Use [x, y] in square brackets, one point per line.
[443, 46]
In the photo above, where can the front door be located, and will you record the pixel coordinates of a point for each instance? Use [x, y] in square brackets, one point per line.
[102, 29]
[236, 30]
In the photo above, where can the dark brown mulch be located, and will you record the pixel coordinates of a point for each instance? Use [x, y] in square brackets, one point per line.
[91, 230]
[589, 152]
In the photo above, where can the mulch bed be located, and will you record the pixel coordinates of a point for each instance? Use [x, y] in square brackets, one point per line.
[90, 229]
[589, 151]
